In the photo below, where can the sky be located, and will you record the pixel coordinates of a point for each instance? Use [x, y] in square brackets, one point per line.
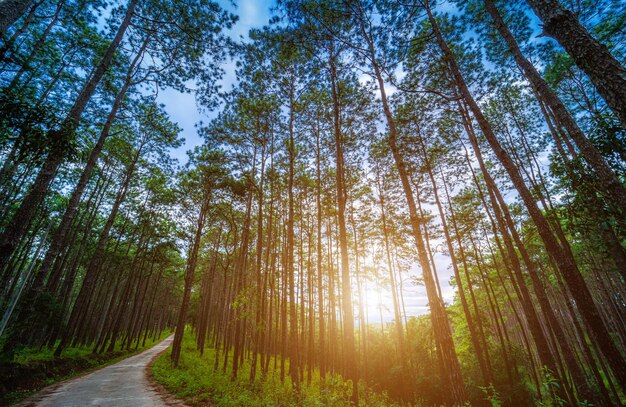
[183, 110]
[182, 107]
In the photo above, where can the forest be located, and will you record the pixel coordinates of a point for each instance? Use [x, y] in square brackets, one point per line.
[385, 202]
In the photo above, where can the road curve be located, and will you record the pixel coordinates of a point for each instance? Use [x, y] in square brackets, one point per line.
[123, 384]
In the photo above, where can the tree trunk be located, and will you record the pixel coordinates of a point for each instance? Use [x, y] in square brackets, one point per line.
[260, 294]
[611, 184]
[11, 11]
[451, 373]
[594, 58]
[320, 280]
[562, 256]
[293, 316]
[349, 348]
[189, 276]
[59, 140]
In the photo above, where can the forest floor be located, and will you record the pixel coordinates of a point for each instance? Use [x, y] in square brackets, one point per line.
[123, 383]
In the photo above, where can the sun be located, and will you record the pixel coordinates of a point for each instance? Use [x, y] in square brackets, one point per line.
[378, 302]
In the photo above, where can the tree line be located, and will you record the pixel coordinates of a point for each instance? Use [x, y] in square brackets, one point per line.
[90, 250]
[361, 141]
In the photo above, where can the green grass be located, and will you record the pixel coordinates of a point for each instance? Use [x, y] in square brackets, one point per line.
[25, 356]
[28, 355]
[33, 369]
[195, 382]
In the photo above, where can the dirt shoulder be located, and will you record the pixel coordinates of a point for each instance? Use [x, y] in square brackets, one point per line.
[168, 398]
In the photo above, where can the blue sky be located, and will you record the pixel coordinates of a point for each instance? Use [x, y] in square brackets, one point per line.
[182, 107]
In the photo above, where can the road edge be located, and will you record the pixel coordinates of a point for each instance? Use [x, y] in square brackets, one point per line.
[168, 398]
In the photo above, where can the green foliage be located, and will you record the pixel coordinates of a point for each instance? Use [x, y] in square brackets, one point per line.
[491, 395]
[552, 387]
[195, 381]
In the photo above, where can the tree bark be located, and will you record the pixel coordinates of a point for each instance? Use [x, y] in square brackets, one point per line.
[11, 11]
[594, 58]
[611, 184]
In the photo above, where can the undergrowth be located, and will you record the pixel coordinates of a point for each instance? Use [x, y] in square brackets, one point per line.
[196, 382]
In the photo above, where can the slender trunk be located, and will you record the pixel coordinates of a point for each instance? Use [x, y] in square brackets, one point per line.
[349, 348]
[293, 316]
[189, 276]
[60, 141]
[260, 294]
[392, 279]
[362, 324]
[320, 280]
[240, 280]
[443, 336]
[562, 256]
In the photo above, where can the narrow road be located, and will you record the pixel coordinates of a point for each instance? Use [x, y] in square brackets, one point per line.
[123, 384]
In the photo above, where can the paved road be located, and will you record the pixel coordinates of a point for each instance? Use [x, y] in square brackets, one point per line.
[123, 384]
